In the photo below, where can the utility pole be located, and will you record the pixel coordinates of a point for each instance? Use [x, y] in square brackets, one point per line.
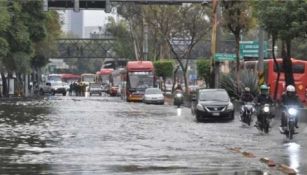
[261, 58]
[145, 41]
[214, 65]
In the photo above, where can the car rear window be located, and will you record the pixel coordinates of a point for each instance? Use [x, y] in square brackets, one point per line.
[213, 96]
[153, 91]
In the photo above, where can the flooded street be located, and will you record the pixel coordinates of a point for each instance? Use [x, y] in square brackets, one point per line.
[104, 135]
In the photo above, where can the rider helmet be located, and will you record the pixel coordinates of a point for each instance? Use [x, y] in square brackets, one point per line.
[264, 89]
[290, 90]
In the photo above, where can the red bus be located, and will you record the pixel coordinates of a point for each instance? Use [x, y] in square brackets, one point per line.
[140, 76]
[299, 75]
[104, 78]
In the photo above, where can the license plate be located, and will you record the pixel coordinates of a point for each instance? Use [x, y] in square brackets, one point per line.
[216, 114]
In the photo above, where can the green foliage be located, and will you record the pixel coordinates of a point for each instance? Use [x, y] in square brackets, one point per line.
[4, 48]
[123, 45]
[247, 79]
[164, 68]
[203, 69]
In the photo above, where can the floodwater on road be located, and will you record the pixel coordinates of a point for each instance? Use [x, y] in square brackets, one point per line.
[104, 135]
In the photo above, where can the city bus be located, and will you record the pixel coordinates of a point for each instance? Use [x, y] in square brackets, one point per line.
[299, 75]
[104, 78]
[140, 75]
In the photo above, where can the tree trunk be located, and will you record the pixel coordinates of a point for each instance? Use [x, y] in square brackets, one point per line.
[4, 85]
[237, 37]
[287, 63]
[174, 78]
[277, 67]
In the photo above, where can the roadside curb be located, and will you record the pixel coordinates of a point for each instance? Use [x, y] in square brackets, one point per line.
[269, 162]
[286, 169]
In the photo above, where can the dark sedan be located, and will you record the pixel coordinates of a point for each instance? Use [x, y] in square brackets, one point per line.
[212, 104]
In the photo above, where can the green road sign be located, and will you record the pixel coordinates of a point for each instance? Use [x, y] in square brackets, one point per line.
[251, 49]
[224, 57]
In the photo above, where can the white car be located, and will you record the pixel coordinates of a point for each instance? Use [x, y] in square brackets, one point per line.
[153, 95]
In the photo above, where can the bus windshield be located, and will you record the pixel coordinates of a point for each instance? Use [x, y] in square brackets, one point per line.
[296, 68]
[141, 80]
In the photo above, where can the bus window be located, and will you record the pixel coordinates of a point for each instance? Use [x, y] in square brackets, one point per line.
[296, 68]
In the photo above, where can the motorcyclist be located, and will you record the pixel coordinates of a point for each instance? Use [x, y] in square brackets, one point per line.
[178, 88]
[289, 98]
[263, 98]
[247, 96]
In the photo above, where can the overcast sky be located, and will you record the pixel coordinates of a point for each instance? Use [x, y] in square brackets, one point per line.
[96, 17]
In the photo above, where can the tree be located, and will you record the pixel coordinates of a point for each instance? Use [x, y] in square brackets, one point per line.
[292, 25]
[164, 69]
[182, 34]
[203, 69]
[237, 18]
[123, 45]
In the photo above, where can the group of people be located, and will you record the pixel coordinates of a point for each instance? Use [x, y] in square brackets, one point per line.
[78, 88]
[289, 97]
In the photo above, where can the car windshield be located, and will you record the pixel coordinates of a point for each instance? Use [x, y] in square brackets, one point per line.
[213, 96]
[54, 78]
[95, 85]
[153, 91]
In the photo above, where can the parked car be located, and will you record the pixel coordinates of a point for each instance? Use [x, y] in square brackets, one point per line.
[212, 104]
[153, 95]
[95, 88]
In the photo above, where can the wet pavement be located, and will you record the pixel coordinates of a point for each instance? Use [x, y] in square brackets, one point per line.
[104, 135]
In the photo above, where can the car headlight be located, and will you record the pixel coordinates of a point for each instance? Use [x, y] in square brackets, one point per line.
[200, 107]
[266, 109]
[292, 111]
[230, 106]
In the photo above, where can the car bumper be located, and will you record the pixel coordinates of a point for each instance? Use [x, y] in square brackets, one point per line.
[155, 101]
[215, 115]
[95, 92]
[135, 98]
[59, 90]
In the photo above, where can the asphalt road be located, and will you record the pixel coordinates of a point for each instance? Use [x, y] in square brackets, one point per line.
[104, 135]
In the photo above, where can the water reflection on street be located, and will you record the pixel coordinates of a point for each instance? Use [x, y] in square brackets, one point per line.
[104, 135]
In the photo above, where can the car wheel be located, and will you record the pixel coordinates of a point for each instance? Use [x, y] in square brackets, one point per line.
[64, 93]
[198, 118]
[90, 94]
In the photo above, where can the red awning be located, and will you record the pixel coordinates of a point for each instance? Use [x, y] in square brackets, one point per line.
[70, 76]
[105, 72]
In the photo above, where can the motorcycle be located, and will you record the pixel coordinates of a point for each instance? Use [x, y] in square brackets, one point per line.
[247, 110]
[264, 117]
[178, 99]
[291, 113]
